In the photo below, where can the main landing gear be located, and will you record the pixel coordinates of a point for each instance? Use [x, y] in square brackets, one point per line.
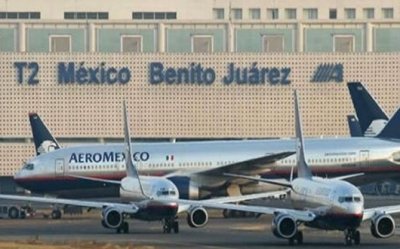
[350, 236]
[124, 228]
[170, 224]
[297, 237]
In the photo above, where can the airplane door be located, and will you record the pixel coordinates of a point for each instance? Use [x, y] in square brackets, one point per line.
[364, 158]
[59, 167]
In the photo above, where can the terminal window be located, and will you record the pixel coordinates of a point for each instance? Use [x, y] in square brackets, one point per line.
[19, 15]
[131, 43]
[344, 43]
[332, 13]
[60, 43]
[369, 13]
[387, 13]
[237, 14]
[272, 14]
[86, 15]
[310, 13]
[350, 13]
[255, 14]
[219, 14]
[272, 43]
[202, 44]
[291, 13]
[153, 15]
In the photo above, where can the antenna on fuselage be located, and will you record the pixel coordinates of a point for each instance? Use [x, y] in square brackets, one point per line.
[303, 171]
[131, 170]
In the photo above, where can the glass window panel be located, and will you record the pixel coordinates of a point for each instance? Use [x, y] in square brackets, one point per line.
[218, 14]
[273, 43]
[202, 44]
[60, 44]
[131, 44]
[344, 44]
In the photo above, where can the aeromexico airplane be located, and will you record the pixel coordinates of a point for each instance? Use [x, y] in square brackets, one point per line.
[197, 168]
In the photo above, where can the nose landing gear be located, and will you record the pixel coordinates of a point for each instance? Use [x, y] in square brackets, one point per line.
[170, 224]
[352, 235]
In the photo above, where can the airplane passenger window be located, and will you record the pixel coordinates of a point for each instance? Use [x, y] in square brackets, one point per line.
[357, 199]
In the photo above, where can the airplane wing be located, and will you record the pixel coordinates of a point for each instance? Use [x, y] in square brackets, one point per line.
[371, 212]
[130, 208]
[96, 179]
[299, 215]
[251, 166]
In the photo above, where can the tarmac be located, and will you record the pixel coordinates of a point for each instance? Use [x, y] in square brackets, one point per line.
[219, 233]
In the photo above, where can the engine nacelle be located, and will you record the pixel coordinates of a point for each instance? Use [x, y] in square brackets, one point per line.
[197, 217]
[112, 218]
[383, 226]
[284, 226]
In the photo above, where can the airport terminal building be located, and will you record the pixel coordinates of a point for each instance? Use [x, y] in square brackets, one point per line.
[188, 69]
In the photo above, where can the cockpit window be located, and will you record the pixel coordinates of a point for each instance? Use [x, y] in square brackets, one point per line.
[166, 192]
[28, 166]
[349, 199]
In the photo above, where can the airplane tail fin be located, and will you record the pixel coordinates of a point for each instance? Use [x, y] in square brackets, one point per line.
[42, 137]
[303, 171]
[131, 170]
[367, 109]
[354, 126]
[392, 128]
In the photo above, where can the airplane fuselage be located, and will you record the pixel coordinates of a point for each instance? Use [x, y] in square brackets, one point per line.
[51, 172]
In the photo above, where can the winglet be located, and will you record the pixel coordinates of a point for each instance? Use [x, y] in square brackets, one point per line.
[131, 170]
[366, 107]
[42, 137]
[303, 171]
[354, 126]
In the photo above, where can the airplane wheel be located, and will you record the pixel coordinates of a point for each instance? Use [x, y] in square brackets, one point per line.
[13, 213]
[176, 227]
[357, 237]
[299, 237]
[348, 241]
[56, 214]
[225, 213]
[125, 227]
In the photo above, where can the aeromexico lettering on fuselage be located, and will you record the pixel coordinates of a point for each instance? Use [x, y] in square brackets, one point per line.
[104, 157]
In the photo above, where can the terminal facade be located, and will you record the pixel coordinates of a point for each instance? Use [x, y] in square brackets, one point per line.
[189, 69]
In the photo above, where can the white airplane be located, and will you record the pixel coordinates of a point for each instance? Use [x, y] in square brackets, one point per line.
[149, 198]
[329, 204]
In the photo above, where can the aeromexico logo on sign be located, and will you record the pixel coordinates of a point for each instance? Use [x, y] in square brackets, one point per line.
[328, 72]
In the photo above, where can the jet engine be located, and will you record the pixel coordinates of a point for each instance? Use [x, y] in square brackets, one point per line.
[112, 218]
[382, 226]
[197, 217]
[284, 226]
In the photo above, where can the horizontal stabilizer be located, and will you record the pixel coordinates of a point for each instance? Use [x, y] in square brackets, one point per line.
[392, 128]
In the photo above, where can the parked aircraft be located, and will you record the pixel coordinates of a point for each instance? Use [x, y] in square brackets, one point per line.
[328, 204]
[197, 168]
[149, 198]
